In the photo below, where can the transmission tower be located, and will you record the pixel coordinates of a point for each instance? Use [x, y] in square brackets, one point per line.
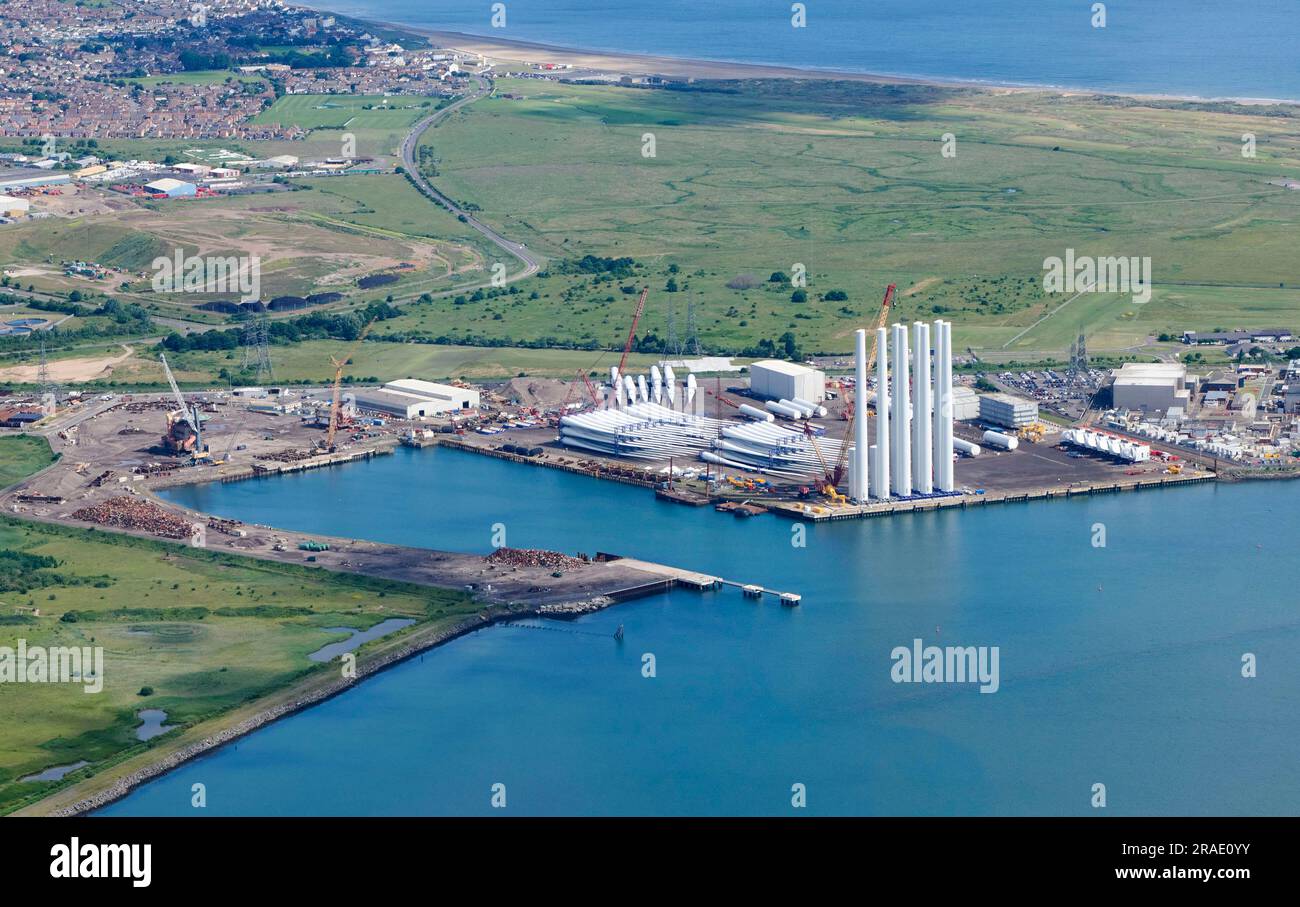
[673, 348]
[692, 334]
[257, 349]
[49, 392]
[1083, 353]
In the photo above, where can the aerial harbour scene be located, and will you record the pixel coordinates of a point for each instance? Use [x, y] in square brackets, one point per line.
[433, 408]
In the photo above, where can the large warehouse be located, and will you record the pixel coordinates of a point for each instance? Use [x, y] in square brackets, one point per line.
[787, 381]
[1151, 386]
[1007, 410]
[411, 398]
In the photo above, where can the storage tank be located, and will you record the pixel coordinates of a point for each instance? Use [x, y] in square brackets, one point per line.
[965, 447]
[755, 413]
[999, 440]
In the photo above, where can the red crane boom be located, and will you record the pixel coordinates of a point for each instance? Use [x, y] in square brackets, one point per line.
[631, 334]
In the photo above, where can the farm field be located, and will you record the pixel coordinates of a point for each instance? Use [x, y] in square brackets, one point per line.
[202, 632]
[752, 179]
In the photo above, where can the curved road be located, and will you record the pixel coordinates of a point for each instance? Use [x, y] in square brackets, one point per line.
[518, 250]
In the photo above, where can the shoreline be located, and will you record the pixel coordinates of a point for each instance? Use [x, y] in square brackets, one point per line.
[631, 63]
[301, 696]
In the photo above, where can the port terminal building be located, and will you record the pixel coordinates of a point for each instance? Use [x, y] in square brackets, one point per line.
[410, 398]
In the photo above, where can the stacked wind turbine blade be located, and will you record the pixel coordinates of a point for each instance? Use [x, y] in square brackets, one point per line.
[639, 431]
[769, 448]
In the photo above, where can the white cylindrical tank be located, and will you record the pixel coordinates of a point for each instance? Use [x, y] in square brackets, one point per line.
[999, 440]
[965, 447]
[788, 412]
[755, 413]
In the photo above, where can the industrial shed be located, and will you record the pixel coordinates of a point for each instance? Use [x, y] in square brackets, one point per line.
[411, 398]
[780, 380]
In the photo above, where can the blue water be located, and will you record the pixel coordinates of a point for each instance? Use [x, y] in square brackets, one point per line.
[1204, 48]
[1119, 665]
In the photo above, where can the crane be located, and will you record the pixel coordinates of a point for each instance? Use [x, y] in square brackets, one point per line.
[176, 440]
[631, 334]
[836, 476]
[339, 365]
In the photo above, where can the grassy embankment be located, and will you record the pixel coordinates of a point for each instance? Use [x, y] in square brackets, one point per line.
[206, 634]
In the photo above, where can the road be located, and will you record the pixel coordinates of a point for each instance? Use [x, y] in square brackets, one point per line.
[530, 263]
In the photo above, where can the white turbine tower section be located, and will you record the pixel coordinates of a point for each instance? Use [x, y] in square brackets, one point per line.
[630, 386]
[613, 375]
[880, 461]
[858, 482]
[642, 390]
[922, 410]
[620, 393]
[901, 431]
[942, 439]
[656, 383]
[690, 390]
[670, 386]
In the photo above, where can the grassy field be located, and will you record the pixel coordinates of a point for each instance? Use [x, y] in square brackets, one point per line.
[22, 455]
[849, 180]
[202, 77]
[316, 240]
[309, 361]
[205, 631]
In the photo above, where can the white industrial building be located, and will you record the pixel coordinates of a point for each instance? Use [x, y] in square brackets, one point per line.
[780, 380]
[14, 207]
[411, 398]
[1007, 410]
[1151, 386]
[965, 404]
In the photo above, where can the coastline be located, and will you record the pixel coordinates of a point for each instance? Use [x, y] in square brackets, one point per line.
[628, 63]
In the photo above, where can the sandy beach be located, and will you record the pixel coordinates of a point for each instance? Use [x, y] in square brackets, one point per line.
[592, 63]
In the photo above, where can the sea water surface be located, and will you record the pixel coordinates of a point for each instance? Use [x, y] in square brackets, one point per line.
[1119, 665]
[1204, 48]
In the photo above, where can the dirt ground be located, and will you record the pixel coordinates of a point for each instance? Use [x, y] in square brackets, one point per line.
[68, 371]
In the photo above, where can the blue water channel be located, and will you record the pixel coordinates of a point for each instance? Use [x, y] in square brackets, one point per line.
[1118, 665]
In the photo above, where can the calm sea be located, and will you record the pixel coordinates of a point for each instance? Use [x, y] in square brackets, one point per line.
[1118, 665]
[1205, 48]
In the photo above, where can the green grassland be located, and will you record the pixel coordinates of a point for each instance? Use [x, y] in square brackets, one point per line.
[207, 631]
[849, 179]
[22, 455]
[198, 77]
[319, 239]
[309, 361]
